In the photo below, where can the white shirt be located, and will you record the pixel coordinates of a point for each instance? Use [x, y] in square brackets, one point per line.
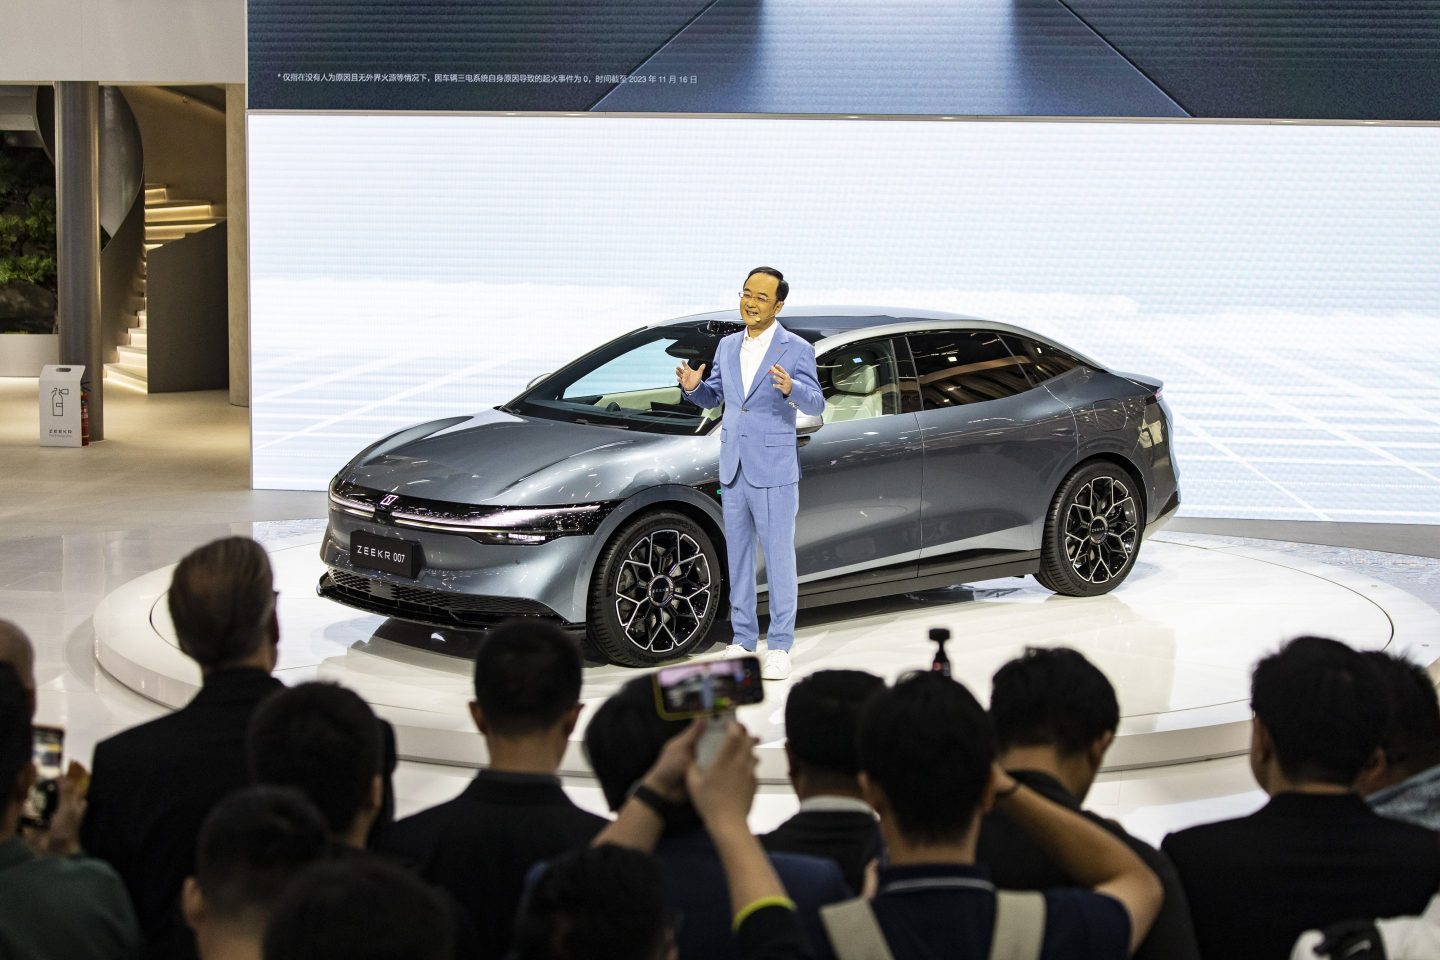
[826, 803]
[752, 353]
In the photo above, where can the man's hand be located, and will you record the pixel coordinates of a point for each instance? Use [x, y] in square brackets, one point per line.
[689, 378]
[62, 837]
[667, 776]
[723, 791]
[781, 379]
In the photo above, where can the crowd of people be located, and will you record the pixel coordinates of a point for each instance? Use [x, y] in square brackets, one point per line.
[258, 820]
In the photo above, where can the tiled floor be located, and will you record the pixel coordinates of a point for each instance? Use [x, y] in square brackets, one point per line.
[77, 524]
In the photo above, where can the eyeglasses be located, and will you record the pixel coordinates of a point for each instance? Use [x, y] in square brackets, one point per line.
[757, 297]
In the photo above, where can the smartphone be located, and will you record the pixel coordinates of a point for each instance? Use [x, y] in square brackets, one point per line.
[705, 689]
[44, 796]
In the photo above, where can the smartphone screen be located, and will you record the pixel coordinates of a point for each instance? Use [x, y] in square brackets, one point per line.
[49, 754]
[703, 689]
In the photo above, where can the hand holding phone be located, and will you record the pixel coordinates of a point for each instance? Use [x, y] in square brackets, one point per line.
[723, 789]
[44, 797]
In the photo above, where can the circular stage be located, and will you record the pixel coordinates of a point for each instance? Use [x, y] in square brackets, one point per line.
[1178, 640]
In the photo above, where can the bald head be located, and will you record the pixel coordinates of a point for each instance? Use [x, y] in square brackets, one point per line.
[15, 649]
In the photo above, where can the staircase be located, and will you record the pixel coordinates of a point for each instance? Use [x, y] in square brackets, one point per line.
[165, 220]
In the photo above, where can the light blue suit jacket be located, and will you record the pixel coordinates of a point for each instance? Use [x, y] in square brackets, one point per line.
[758, 426]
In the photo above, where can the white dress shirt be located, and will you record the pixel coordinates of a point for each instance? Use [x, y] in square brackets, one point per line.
[825, 803]
[752, 353]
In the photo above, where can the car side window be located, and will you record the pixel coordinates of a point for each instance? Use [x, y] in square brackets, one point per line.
[966, 366]
[1041, 361]
[859, 381]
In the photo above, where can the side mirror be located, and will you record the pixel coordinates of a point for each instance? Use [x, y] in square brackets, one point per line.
[536, 380]
[805, 424]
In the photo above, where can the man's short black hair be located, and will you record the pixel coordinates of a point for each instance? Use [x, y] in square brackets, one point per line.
[251, 846]
[1052, 698]
[321, 739]
[527, 676]
[1412, 737]
[782, 290]
[1324, 707]
[221, 599]
[926, 742]
[595, 903]
[624, 738]
[16, 733]
[360, 908]
[822, 720]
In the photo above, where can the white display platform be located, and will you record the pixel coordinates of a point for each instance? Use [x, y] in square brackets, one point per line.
[1178, 640]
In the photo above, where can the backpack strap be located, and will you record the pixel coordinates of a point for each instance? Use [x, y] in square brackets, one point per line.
[1019, 926]
[853, 931]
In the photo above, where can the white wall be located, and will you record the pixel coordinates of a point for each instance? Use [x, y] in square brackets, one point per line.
[122, 41]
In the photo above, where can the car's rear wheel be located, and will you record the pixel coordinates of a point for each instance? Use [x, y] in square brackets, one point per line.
[1092, 532]
[655, 590]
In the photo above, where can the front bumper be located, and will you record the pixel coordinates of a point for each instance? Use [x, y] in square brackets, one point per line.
[461, 583]
[434, 608]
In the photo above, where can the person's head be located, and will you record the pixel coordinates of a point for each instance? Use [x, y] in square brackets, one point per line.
[762, 297]
[16, 650]
[1411, 742]
[1057, 700]
[222, 602]
[251, 846]
[624, 738]
[360, 908]
[325, 741]
[597, 903]
[527, 685]
[822, 720]
[1320, 714]
[926, 756]
[17, 766]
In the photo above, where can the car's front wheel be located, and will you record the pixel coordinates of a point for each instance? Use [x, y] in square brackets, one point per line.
[655, 590]
[1092, 532]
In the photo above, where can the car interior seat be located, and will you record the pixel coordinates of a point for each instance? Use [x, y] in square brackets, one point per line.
[855, 390]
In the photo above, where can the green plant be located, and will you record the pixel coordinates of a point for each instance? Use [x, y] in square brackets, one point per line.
[27, 218]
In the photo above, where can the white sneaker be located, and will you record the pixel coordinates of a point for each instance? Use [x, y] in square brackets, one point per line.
[777, 665]
[734, 650]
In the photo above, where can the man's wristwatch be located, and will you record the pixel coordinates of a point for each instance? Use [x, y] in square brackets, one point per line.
[664, 809]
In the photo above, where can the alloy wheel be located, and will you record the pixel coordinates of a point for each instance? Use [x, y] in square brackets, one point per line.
[1101, 529]
[662, 591]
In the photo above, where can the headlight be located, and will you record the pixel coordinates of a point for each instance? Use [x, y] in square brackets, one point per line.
[514, 525]
[494, 525]
[350, 505]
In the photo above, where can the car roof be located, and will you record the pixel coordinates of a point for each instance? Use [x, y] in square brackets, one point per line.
[827, 320]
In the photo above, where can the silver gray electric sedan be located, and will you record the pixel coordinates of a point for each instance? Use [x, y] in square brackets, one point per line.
[951, 450]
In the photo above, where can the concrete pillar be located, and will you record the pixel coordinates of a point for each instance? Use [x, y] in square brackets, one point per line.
[237, 219]
[77, 235]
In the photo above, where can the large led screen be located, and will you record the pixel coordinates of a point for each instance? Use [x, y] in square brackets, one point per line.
[1281, 280]
[1298, 59]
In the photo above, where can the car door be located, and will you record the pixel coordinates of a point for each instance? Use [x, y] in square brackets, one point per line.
[860, 472]
[993, 441]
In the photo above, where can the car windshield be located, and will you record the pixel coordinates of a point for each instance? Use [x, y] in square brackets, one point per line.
[630, 382]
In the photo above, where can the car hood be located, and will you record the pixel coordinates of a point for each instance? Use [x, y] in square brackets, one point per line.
[498, 458]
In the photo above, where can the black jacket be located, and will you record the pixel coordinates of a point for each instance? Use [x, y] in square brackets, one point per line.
[152, 786]
[850, 838]
[1017, 863]
[1303, 861]
[480, 846]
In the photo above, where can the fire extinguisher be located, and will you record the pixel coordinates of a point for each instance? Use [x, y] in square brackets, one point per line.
[84, 416]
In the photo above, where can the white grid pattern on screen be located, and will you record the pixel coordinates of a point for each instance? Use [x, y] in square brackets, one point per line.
[1281, 281]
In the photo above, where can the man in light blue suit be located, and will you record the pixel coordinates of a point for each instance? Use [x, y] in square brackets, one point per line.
[759, 458]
